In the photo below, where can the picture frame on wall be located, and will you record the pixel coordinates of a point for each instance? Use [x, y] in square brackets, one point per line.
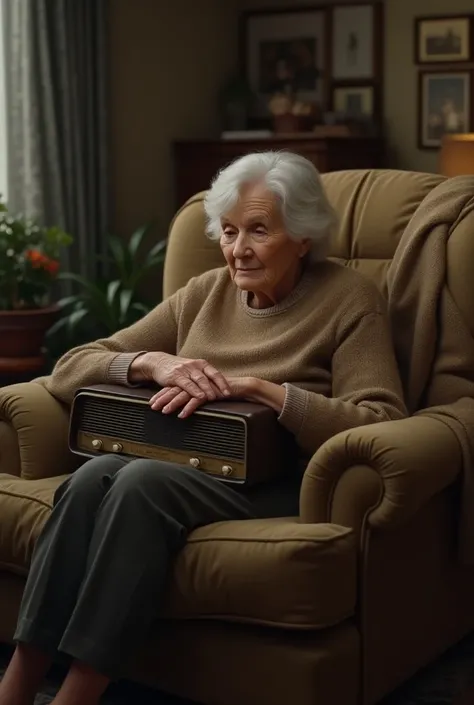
[281, 48]
[443, 39]
[356, 52]
[445, 105]
[354, 102]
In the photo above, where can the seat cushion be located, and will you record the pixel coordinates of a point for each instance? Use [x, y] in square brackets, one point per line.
[276, 572]
[24, 507]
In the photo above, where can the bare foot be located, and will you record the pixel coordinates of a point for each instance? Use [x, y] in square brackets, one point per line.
[82, 686]
[24, 675]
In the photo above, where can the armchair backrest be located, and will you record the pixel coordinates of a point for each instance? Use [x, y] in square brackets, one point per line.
[374, 208]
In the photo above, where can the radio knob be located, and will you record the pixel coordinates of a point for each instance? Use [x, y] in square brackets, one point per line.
[117, 447]
[195, 462]
[97, 444]
[227, 470]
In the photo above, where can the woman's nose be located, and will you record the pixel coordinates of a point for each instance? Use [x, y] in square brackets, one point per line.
[240, 246]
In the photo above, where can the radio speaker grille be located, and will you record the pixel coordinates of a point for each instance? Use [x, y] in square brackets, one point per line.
[136, 422]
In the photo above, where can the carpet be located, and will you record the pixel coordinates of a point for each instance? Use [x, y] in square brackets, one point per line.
[442, 683]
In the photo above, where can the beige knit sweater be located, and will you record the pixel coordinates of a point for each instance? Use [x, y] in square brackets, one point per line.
[329, 342]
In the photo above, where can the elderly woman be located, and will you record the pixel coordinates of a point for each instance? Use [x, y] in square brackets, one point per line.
[280, 325]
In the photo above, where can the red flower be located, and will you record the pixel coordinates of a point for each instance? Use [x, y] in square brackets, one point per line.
[40, 261]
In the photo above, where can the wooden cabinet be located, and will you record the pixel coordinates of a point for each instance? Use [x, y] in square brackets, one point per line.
[196, 162]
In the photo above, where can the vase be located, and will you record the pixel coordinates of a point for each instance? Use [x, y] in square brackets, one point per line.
[22, 336]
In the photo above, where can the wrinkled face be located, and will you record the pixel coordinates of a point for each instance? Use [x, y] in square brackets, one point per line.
[261, 257]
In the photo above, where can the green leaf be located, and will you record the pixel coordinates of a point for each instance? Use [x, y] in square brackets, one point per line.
[90, 287]
[125, 299]
[158, 250]
[75, 318]
[140, 308]
[107, 305]
[120, 256]
[68, 300]
[155, 262]
[136, 240]
[112, 289]
[94, 300]
[58, 326]
[70, 276]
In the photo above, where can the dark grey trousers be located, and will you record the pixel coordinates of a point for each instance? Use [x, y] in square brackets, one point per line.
[100, 565]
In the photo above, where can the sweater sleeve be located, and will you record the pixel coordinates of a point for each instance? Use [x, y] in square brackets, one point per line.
[366, 387]
[107, 361]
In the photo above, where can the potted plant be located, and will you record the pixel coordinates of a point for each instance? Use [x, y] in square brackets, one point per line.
[29, 265]
[100, 308]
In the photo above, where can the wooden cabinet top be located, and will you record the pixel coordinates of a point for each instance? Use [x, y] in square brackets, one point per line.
[277, 140]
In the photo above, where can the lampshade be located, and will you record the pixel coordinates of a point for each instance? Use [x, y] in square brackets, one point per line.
[457, 155]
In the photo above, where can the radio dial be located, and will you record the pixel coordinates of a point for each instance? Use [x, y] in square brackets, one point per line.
[117, 447]
[195, 463]
[97, 444]
[227, 470]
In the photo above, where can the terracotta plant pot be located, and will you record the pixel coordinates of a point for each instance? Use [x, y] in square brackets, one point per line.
[22, 336]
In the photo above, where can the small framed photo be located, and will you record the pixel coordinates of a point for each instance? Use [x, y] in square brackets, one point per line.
[354, 102]
[441, 40]
[445, 105]
[284, 50]
[356, 42]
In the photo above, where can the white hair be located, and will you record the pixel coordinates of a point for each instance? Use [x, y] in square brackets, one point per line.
[296, 183]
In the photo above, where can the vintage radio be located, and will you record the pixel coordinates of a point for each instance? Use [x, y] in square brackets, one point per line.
[237, 442]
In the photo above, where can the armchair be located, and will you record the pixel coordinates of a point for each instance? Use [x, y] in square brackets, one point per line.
[337, 606]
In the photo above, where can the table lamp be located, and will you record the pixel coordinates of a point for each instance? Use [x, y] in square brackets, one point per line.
[457, 155]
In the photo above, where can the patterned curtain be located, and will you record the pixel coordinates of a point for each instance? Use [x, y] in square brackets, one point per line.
[56, 88]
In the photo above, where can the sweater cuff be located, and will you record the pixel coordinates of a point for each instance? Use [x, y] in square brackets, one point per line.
[119, 367]
[294, 409]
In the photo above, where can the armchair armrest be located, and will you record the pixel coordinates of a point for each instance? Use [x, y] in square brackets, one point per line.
[381, 473]
[41, 424]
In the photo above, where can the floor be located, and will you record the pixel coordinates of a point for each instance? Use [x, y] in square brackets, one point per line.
[449, 681]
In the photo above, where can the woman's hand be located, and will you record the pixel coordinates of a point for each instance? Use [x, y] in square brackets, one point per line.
[171, 399]
[197, 378]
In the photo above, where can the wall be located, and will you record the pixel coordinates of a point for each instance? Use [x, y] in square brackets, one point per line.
[401, 77]
[167, 60]
[400, 87]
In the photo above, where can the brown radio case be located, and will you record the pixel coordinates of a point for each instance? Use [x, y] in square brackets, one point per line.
[233, 441]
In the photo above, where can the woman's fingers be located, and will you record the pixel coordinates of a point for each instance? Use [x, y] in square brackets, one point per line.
[161, 393]
[176, 403]
[172, 398]
[176, 400]
[197, 377]
[187, 385]
[160, 400]
[218, 379]
[204, 383]
[189, 408]
[193, 404]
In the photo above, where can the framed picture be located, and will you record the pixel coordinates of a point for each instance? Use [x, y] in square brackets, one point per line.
[285, 48]
[444, 105]
[356, 42]
[443, 39]
[354, 102]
